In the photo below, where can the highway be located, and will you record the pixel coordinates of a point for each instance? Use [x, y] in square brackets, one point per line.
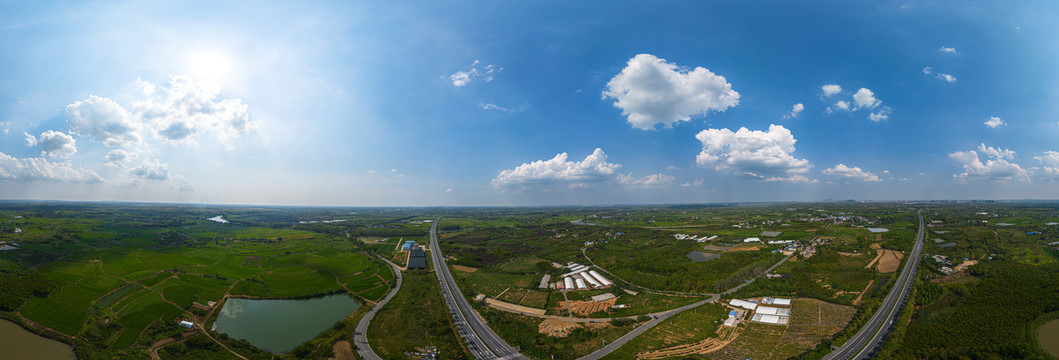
[872, 335]
[360, 334]
[481, 340]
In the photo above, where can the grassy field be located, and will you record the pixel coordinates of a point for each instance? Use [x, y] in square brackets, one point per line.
[689, 326]
[416, 316]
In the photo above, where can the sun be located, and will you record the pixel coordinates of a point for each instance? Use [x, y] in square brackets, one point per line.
[208, 65]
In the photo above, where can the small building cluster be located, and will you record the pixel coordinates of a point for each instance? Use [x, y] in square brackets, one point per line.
[580, 277]
[779, 313]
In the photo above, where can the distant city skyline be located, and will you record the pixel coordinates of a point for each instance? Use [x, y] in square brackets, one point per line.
[432, 104]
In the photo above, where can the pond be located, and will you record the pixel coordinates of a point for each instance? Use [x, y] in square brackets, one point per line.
[18, 343]
[1048, 337]
[281, 325]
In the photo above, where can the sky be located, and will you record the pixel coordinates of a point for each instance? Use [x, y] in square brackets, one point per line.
[537, 103]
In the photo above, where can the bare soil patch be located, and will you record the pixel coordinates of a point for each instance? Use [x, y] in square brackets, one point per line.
[850, 254]
[725, 336]
[963, 266]
[715, 248]
[585, 308]
[890, 261]
[857, 300]
[556, 328]
[509, 307]
[342, 351]
[743, 247]
[464, 268]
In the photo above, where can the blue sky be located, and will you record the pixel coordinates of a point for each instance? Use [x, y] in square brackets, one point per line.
[475, 103]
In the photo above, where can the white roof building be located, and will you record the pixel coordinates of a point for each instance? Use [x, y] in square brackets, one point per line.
[187, 324]
[768, 310]
[743, 304]
[770, 319]
[752, 239]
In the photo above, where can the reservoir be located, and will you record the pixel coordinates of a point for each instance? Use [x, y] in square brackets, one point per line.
[1048, 337]
[17, 343]
[281, 325]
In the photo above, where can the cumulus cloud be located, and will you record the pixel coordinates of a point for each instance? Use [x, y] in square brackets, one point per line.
[103, 120]
[152, 170]
[35, 169]
[882, 114]
[654, 180]
[473, 73]
[994, 122]
[1049, 163]
[5, 127]
[695, 183]
[854, 173]
[948, 50]
[651, 91]
[119, 158]
[187, 107]
[53, 144]
[996, 168]
[948, 78]
[763, 155]
[831, 89]
[795, 110]
[841, 105]
[558, 170]
[865, 98]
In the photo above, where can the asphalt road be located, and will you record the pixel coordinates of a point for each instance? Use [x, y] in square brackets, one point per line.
[873, 334]
[481, 340]
[360, 334]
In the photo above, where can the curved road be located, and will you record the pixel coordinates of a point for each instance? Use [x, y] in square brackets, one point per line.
[481, 340]
[360, 334]
[873, 334]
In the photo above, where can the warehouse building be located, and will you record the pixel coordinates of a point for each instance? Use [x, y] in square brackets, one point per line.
[743, 304]
[770, 319]
[768, 310]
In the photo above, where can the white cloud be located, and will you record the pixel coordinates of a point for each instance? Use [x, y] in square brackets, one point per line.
[54, 144]
[448, 190]
[947, 50]
[558, 170]
[882, 114]
[831, 89]
[1050, 163]
[119, 158]
[5, 127]
[994, 122]
[492, 106]
[841, 105]
[795, 110]
[152, 170]
[186, 107]
[865, 98]
[651, 91]
[947, 77]
[855, 173]
[103, 120]
[764, 155]
[35, 169]
[996, 168]
[474, 72]
[654, 180]
[695, 183]
[928, 70]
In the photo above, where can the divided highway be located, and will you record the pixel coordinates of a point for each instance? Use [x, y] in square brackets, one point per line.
[873, 334]
[481, 340]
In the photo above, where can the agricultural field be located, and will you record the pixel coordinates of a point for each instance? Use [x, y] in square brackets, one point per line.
[118, 278]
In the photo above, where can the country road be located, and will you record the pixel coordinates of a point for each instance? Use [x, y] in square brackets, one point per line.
[360, 334]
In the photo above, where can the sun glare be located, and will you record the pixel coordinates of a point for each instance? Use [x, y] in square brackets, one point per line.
[209, 65]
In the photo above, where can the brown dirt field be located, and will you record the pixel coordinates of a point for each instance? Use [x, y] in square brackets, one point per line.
[743, 247]
[876, 246]
[890, 261]
[850, 254]
[556, 328]
[342, 350]
[725, 336]
[464, 268]
[715, 248]
[857, 300]
[509, 307]
[587, 307]
[963, 266]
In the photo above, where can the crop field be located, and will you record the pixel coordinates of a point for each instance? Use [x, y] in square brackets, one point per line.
[124, 278]
[687, 327]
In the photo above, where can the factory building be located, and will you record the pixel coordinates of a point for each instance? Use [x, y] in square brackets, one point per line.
[417, 259]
